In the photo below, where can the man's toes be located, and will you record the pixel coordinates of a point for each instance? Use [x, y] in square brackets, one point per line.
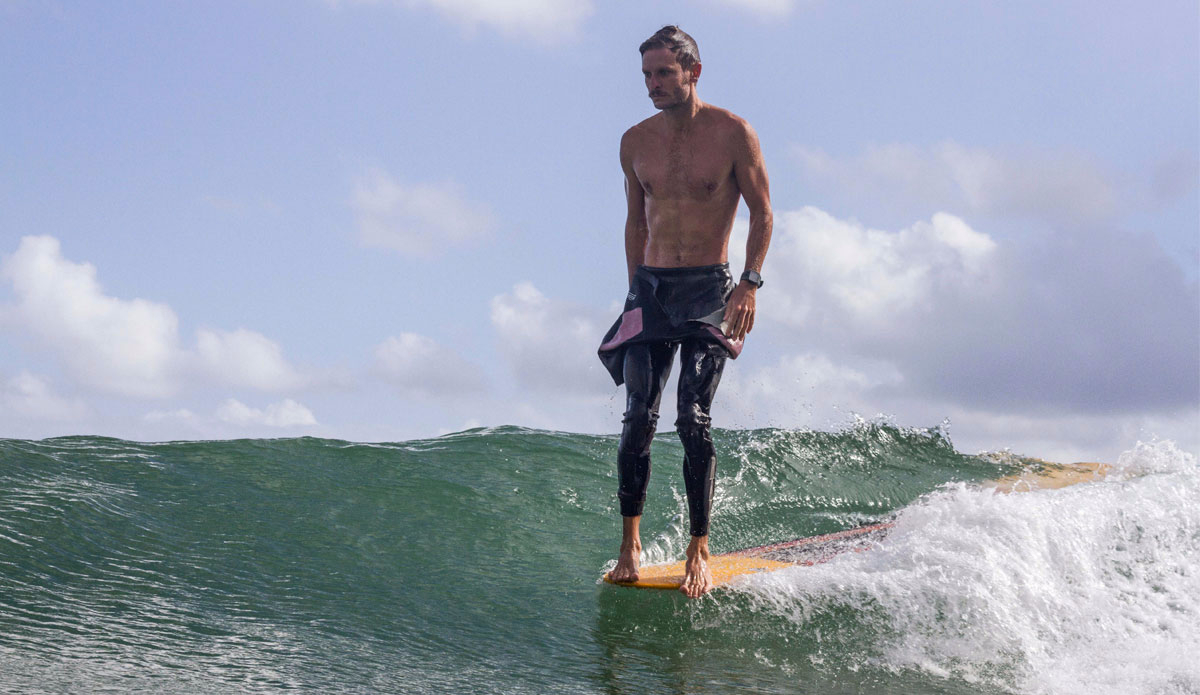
[623, 576]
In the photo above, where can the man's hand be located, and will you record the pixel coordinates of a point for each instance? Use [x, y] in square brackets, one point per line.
[739, 312]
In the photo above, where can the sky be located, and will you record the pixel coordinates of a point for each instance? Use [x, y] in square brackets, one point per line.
[379, 220]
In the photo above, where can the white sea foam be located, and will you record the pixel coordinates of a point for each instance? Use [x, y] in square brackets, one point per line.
[1091, 589]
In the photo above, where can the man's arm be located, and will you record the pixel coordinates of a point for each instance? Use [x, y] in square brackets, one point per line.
[636, 229]
[751, 174]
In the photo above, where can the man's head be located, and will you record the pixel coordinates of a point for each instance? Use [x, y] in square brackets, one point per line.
[677, 41]
[671, 66]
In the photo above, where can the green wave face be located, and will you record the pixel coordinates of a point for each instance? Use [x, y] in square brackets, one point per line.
[470, 563]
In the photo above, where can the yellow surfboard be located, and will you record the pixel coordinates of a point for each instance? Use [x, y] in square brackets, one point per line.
[724, 570]
[1049, 476]
[727, 567]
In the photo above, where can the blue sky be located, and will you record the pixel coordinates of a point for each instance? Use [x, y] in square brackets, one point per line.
[388, 219]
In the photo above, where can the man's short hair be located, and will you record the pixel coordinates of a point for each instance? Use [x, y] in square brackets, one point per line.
[677, 41]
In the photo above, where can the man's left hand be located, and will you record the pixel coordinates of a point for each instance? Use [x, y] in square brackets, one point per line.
[739, 312]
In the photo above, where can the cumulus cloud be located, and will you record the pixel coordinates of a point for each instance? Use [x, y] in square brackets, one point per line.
[1060, 187]
[838, 272]
[127, 347]
[1098, 326]
[245, 358]
[545, 21]
[286, 413]
[416, 219]
[550, 344]
[28, 395]
[415, 363]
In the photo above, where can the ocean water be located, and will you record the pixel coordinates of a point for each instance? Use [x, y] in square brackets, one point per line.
[470, 563]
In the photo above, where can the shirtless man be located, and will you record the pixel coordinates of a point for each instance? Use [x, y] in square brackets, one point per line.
[685, 169]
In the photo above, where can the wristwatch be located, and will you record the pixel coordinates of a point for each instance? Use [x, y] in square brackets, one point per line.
[752, 277]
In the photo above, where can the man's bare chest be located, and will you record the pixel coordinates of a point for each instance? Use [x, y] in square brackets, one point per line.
[683, 169]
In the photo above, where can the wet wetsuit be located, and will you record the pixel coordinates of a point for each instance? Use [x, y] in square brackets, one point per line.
[670, 309]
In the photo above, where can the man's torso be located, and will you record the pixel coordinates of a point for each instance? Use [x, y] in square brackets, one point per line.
[690, 190]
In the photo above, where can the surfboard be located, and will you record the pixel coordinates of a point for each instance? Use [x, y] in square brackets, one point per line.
[1049, 476]
[727, 567]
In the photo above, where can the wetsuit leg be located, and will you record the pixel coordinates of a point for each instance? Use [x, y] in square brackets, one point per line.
[646, 369]
[701, 363]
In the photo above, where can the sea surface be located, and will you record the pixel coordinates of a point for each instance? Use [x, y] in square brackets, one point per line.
[469, 563]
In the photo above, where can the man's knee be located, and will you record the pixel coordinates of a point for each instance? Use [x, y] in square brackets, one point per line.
[640, 422]
[692, 423]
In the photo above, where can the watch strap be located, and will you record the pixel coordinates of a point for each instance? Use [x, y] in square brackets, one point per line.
[753, 277]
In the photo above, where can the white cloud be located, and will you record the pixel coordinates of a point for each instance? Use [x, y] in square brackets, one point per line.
[836, 271]
[286, 413]
[1060, 187]
[418, 364]
[545, 21]
[28, 395]
[129, 347]
[1107, 326]
[551, 344]
[245, 358]
[418, 219]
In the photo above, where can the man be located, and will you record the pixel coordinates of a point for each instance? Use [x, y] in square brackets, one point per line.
[685, 169]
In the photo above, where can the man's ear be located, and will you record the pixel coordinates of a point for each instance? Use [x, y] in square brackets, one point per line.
[696, 72]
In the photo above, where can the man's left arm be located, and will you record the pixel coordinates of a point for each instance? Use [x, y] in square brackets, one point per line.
[751, 174]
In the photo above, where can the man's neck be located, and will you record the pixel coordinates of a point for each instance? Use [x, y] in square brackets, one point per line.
[681, 116]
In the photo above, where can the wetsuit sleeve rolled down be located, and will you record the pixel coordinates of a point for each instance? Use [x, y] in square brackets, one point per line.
[669, 305]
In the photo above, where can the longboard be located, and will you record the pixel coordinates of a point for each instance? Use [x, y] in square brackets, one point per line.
[1051, 476]
[726, 567]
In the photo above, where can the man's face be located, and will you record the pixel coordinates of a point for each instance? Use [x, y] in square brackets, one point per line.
[668, 84]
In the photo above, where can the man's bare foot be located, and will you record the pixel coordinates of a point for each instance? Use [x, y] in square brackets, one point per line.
[629, 560]
[697, 578]
[627, 564]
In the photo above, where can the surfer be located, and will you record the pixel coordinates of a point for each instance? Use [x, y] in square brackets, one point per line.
[685, 169]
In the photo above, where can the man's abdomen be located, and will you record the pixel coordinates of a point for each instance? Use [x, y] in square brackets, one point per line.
[686, 233]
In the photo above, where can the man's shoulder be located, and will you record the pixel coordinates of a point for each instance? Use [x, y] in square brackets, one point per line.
[635, 138]
[725, 119]
[643, 128]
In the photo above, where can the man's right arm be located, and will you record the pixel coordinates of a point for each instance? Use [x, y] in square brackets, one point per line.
[636, 229]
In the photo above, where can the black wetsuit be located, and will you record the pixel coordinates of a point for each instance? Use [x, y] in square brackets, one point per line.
[670, 309]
